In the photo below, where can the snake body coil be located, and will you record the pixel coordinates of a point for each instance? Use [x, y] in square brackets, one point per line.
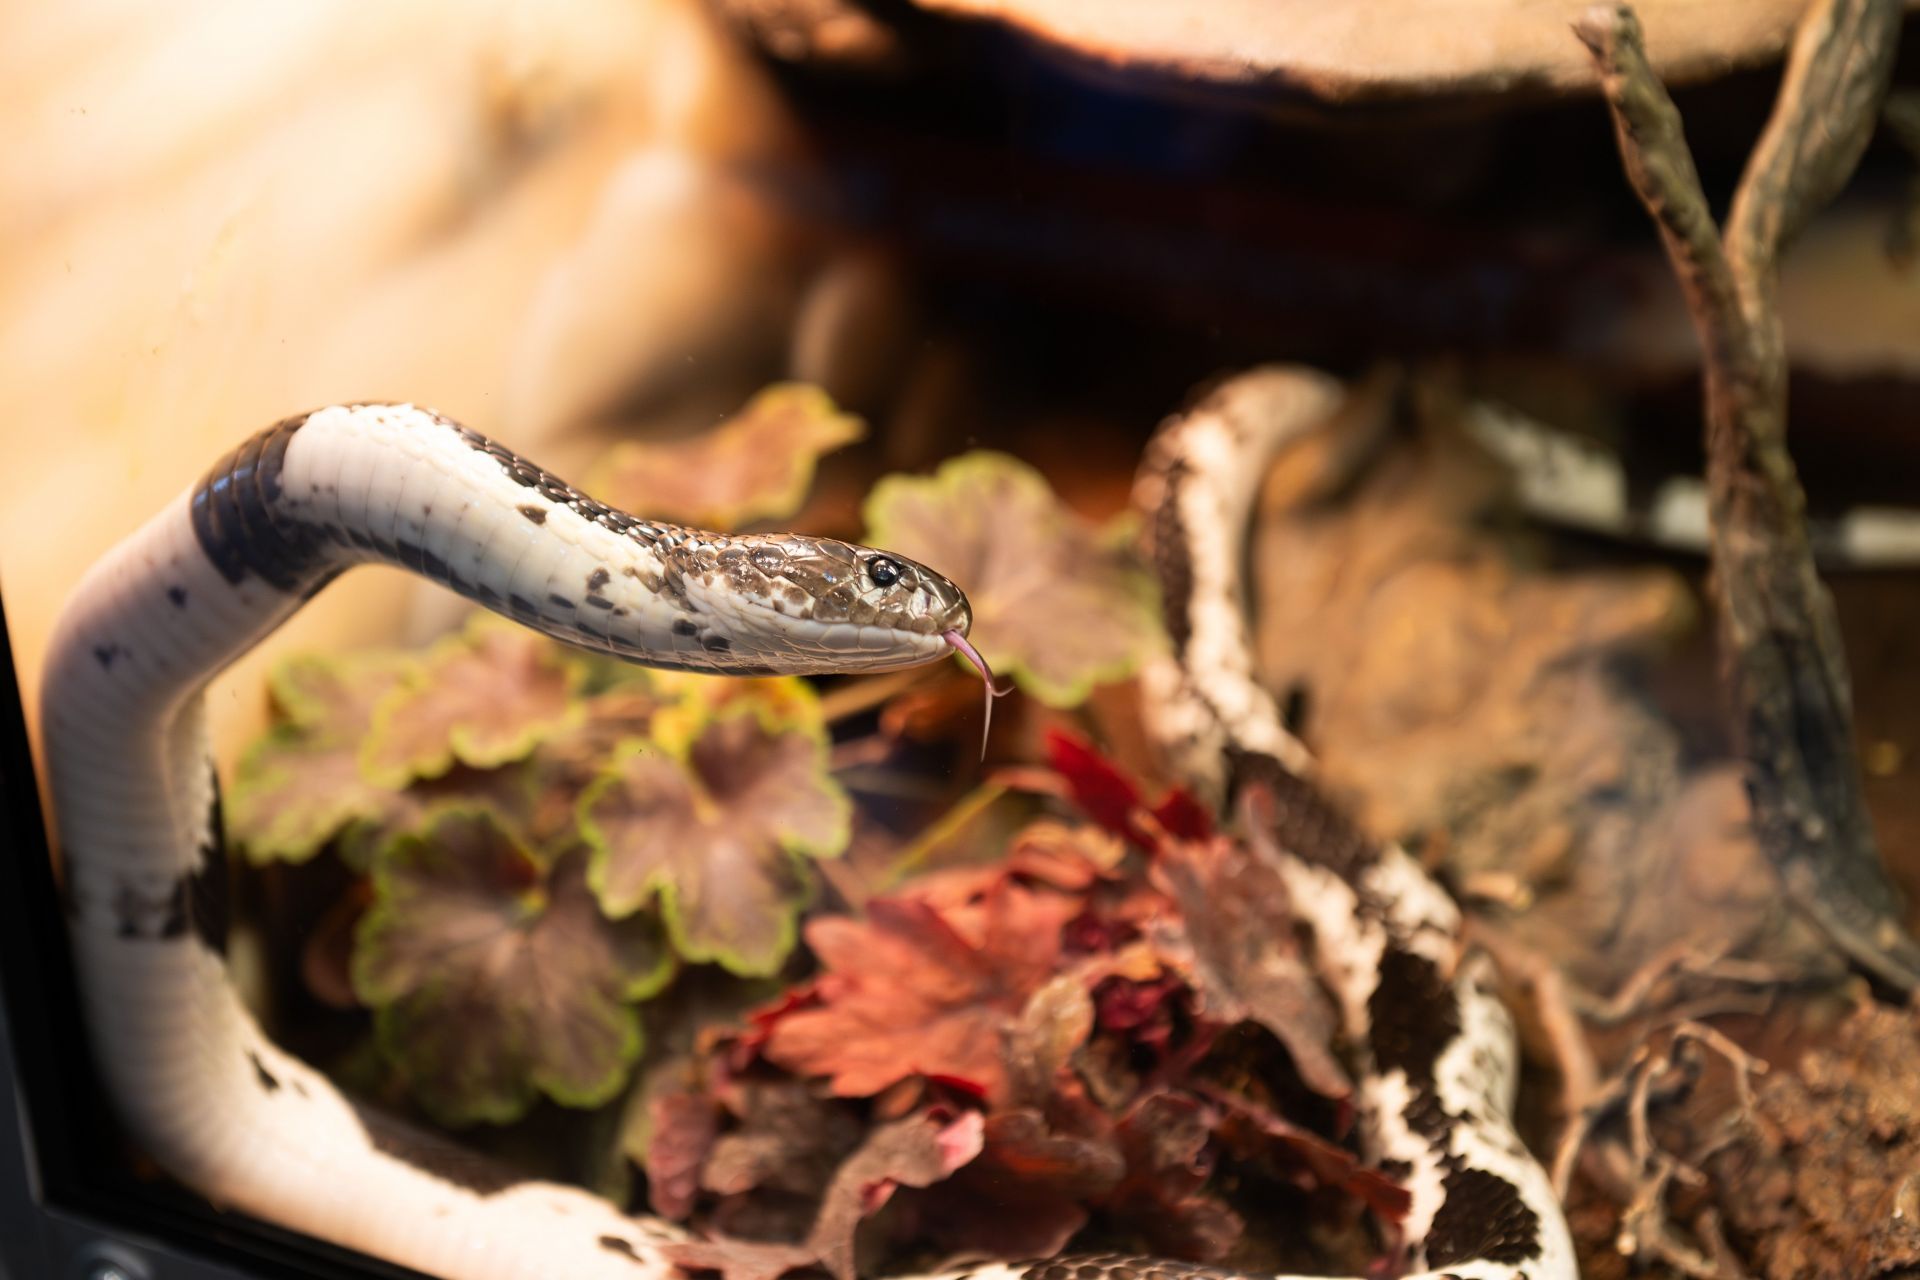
[1438, 1059]
[252, 1128]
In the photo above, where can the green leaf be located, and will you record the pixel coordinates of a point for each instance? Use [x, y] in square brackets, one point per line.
[300, 785]
[483, 698]
[757, 465]
[495, 978]
[714, 817]
[1058, 603]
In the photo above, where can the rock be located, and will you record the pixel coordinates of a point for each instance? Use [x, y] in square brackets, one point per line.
[1332, 53]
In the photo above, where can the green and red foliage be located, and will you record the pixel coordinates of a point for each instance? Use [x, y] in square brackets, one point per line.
[1119, 1006]
[581, 907]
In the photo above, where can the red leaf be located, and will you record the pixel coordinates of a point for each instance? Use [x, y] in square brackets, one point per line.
[1183, 817]
[1043, 854]
[744, 1046]
[972, 1090]
[1112, 799]
[915, 991]
[1101, 791]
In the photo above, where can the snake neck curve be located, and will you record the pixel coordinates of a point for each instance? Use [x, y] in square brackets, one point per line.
[191, 1073]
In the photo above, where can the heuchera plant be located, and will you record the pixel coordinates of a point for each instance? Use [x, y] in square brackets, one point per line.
[1096, 1021]
[757, 465]
[1059, 604]
[522, 810]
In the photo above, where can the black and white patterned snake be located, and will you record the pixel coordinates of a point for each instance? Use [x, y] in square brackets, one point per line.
[214, 1101]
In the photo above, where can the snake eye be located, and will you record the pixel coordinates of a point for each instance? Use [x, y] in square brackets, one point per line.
[883, 572]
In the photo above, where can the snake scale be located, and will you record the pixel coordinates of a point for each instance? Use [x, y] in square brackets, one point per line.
[201, 1087]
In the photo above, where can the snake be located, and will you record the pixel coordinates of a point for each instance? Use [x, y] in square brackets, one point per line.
[1436, 1050]
[203, 1090]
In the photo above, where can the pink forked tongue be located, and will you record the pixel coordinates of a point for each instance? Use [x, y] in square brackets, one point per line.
[972, 655]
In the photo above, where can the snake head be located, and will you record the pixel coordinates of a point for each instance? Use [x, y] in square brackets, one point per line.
[910, 595]
[829, 606]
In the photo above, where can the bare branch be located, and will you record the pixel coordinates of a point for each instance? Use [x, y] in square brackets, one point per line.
[1654, 151]
[1837, 73]
[1782, 661]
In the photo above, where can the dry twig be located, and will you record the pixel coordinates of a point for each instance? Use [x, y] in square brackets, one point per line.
[1652, 984]
[1638, 1173]
[1782, 663]
[1645, 1232]
[1562, 1009]
[1707, 1227]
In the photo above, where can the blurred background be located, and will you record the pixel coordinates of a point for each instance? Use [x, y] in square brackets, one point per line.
[1038, 224]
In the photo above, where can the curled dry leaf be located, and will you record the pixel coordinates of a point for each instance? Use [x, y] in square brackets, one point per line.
[494, 977]
[674, 1115]
[1057, 604]
[485, 697]
[917, 1151]
[682, 1127]
[300, 785]
[1167, 1139]
[1237, 942]
[758, 465]
[1122, 1002]
[911, 991]
[712, 817]
[787, 1138]
[1056, 1021]
[1026, 1194]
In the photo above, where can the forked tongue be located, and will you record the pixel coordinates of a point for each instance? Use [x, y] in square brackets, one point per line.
[971, 654]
